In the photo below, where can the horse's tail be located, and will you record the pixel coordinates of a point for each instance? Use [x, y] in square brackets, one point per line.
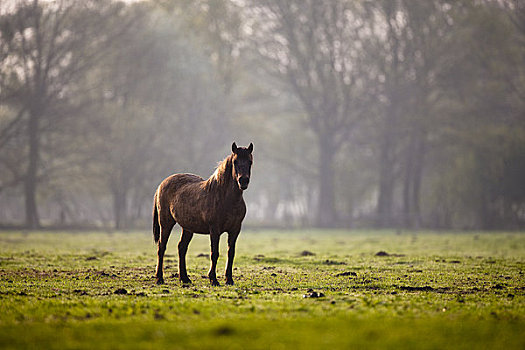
[156, 226]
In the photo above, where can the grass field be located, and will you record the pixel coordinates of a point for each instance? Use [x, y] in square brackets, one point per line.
[294, 289]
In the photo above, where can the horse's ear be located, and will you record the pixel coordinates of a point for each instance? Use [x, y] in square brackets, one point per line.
[234, 148]
[250, 147]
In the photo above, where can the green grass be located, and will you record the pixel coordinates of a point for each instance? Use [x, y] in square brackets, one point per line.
[432, 291]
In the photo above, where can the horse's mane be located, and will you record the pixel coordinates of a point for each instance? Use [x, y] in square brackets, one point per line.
[222, 174]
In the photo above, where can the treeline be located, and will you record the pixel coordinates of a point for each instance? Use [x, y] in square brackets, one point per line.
[394, 113]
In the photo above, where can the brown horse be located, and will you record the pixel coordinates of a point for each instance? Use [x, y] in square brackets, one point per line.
[210, 206]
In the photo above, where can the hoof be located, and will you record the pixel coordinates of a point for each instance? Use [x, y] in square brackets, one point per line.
[160, 280]
[185, 281]
[229, 282]
[215, 283]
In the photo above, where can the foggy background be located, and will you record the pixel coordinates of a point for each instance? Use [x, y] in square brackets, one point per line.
[394, 113]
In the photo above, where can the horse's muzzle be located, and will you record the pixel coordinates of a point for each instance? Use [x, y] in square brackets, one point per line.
[243, 182]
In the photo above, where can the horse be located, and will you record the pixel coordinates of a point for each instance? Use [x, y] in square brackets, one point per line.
[211, 207]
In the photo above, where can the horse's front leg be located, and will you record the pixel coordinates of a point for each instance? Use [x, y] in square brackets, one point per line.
[183, 248]
[214, 241]
[232, 239]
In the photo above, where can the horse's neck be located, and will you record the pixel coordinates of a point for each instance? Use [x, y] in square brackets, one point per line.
[223, 183]
[227, 188]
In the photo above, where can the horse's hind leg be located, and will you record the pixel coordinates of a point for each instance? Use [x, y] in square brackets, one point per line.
[165, 230]
[185, 239]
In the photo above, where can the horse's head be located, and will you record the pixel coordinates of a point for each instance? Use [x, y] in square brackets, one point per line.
[242, 163]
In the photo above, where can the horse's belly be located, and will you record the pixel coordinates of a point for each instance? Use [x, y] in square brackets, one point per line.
[195, 227]
[200, 225]
[189, 220]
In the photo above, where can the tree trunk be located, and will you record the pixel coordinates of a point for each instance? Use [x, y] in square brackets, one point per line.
[30, 181]
[408, 182]
[415, 154]
[385, 198]
[119, 206]
[326, 205]
[417, 180]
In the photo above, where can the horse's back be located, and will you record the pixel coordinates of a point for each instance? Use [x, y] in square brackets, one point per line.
[178, 180]
[173, 184]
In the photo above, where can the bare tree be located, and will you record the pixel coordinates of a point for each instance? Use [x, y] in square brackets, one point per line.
[317, 48]
[47, 47]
